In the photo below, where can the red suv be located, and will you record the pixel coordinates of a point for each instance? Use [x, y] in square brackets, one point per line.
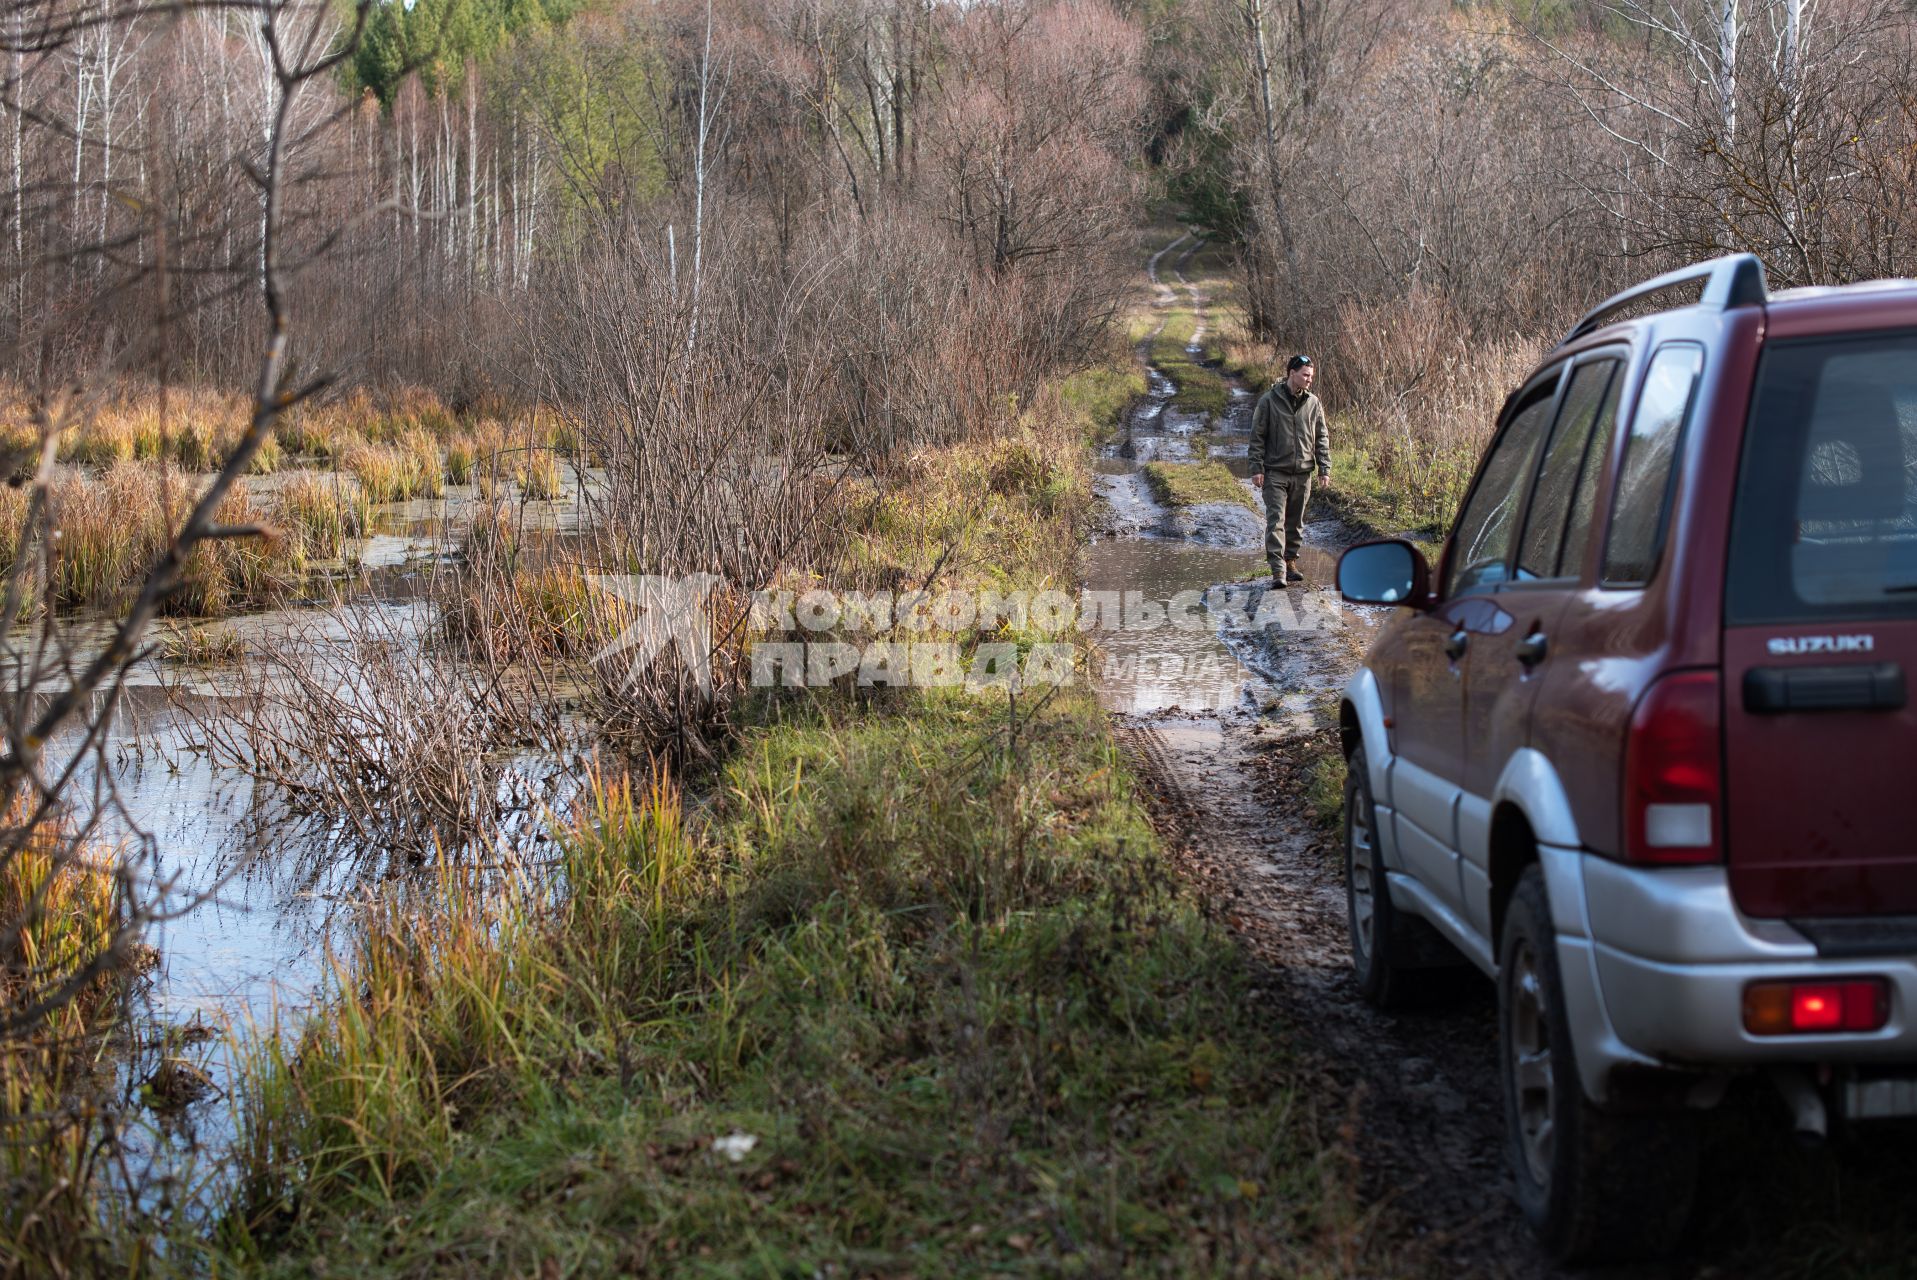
[1631, 748]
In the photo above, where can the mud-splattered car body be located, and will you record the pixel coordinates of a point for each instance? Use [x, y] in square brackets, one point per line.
[1633, 746]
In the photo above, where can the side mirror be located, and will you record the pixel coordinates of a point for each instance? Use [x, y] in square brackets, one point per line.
[1389, 572]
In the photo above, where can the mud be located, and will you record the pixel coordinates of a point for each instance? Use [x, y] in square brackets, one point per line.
[1417, 1090]
[1217, 524]
[1222, 723]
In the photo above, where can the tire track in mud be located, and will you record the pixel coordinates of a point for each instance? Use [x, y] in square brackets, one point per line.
[1166, 297]
[1416, 1091]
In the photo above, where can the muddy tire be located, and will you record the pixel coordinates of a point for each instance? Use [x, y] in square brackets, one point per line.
[1597, 1185]
[1380, 946]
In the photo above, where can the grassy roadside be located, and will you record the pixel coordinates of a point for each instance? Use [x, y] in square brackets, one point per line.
[1359, 496]
[1093, 401]
[914, 993]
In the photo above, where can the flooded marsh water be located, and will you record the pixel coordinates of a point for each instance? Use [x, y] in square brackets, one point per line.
[252, 888]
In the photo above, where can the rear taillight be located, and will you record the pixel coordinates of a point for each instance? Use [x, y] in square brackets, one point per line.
[1673, 789]
[1806, 1008]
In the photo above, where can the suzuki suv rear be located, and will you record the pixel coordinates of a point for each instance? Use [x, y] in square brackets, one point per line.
[1632, 746]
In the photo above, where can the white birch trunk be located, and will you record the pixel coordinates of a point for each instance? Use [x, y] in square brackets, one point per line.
[699, 181]
[1727, 73]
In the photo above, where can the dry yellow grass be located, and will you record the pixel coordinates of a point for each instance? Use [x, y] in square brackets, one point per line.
[397, 472]
[196, 427]
[113, 528]
[539, 476]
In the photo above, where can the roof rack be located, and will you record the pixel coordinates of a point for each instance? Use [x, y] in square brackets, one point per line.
[1735, 280]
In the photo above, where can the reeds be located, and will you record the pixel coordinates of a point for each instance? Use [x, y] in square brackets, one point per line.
[323, 511]
[397, 472]
[201, 646]
[456, 998]
[193, 428]
[520, 594]
[462, 458]
[112, 529]
[226, 574]
[196, 427]
[544, 607]
[538, 475]
[61, 914]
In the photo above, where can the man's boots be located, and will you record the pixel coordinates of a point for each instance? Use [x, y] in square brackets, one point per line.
[1292, 576]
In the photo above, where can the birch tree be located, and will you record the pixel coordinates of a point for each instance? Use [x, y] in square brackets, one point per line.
[1731, 126]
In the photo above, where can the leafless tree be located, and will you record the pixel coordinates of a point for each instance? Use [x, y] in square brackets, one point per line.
[64, 685]
[1738, 123]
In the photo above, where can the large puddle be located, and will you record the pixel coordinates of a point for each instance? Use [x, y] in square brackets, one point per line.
[250, 887]
[1236, 645]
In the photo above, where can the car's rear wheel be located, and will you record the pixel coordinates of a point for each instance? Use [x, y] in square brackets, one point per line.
[1596, 1184]
[1377, 935]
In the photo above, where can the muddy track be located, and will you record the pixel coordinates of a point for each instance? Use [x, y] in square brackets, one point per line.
[1416, 1093]
[1418, 1090]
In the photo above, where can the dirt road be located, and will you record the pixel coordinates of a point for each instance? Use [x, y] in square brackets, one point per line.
[1221, 724]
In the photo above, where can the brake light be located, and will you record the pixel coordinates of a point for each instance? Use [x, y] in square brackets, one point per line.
[1798, 1008]
[1672, 772]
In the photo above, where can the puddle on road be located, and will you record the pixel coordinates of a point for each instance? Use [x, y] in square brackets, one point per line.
[1145, 670]
[1248, 644]
[1251, 650]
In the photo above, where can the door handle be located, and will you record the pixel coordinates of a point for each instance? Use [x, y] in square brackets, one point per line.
[1457, 642]
[1862, 687]
[1531, 649]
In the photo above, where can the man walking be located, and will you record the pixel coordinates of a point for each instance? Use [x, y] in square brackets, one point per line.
[1289, 440]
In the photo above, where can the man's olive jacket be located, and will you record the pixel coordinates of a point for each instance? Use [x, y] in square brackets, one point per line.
[1288, 433]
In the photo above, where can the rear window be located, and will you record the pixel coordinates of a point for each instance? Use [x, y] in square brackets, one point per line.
[1826, 519]
[1558, 487]
[1643, 502]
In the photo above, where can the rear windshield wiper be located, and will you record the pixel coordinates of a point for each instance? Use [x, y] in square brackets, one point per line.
[1900, 588]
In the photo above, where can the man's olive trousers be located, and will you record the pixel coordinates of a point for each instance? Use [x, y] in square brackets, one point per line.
[1286, 493]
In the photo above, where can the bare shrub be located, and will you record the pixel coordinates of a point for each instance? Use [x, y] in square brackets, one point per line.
[362, 724]
[1419, 395]
[713, 440]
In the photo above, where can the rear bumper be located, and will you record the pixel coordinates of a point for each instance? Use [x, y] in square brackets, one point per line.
[1671, 955]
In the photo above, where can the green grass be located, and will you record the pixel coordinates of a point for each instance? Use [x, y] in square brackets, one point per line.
[923, 946]
[1325, 784]
[1188, 484]
[1097, 398]
[1360, 497]
[1201, 389]
[940, 971]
